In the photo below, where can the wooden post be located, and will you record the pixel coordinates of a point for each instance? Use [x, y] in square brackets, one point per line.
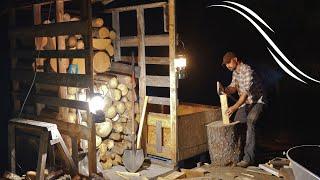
[15, 84]
[37, 20]
[141, 61]
[116, 42]
[62, 62]
[224, 108]
[173, 81]
[86, 14]
[12, 147]
[42, 155]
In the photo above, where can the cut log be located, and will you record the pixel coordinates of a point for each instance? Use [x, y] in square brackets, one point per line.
[101, 44]
[110, 112]
[51, 44]
[97, 22]
[101, 62]
[115, 136]
[224, 141]
[75, 19]
[109, 143]
[121, 107]
[118, 148]
[104, 129]
[224, 108]
[113, 82]
[118, 127]
[66, 17]
[115, 94]
[81, 65]
[110, 49]
[112, 35]
[102, 32]
[124, 89]
[80, 44]
[72, 41]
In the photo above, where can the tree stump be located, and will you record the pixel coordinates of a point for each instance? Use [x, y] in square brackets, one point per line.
[225, 142]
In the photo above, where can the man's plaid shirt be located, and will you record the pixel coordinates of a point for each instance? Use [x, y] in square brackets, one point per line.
[247, 81]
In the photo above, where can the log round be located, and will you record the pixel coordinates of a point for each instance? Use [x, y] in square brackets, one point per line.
[102, 32]
[112, 35]
[101, 62]
[224, 142]
[109, 49]
[97, 22]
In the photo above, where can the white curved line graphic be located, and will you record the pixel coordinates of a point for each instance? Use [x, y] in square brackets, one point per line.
[255, 15]
[285, 68]
[268, 40]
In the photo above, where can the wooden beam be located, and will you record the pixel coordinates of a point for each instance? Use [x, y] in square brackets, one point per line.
[224, 108]
[86, 14]
[173, 81]
[56, 29]
[158, 81]
[58, 102]
[150, 40]
[131, 8]
[116, 42]
[31, 3]
[149, 60]
[67, 128]
[159, 100]
[123, 69]
[18, 53]
[73, 80]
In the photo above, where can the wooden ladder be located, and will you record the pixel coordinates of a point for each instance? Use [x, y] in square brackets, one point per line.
[47, 132]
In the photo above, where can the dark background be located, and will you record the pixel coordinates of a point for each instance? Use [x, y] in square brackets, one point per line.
[291, 117]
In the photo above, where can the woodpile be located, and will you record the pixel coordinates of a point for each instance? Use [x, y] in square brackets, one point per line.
[113, 134]
[101, 42]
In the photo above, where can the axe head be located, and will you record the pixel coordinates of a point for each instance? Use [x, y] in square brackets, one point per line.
[219, 88]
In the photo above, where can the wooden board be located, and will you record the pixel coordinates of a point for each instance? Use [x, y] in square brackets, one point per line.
[130, 8]
[56, 29]
[150, 40]
[149, 60]
[159, 100]
[224, 108]
[73, 80]
[158, 81]
[49, 53]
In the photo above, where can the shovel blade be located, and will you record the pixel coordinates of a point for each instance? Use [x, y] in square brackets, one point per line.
[133, 159]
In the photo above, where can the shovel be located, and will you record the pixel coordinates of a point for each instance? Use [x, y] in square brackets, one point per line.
[133, 158]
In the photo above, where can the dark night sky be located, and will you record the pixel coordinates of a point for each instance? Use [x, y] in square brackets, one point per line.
[209, 32]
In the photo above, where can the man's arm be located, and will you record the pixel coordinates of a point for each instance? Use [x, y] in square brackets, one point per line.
[230, 90]
[242, 99]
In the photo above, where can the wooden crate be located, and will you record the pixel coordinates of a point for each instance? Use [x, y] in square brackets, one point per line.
[191, 131]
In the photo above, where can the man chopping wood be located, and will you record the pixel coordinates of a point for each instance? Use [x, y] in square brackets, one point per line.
[250, 104]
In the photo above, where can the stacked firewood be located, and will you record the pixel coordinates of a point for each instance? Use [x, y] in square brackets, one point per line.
[113, 133]
[101, 41]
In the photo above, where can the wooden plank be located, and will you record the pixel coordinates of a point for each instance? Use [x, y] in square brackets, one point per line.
[56, 29]
[131, 8]
[167, 152]
[165, 18]
[122, 68]
[19, 53]
[55, 101]
[150, 40]
[12, 147]
[159, 100]
[158, 136]
[66, 156]
[173, 81]
[224, 108]
[116, 42]
[29, 4]
[141, 55]
[158, 81]
[154, 117]
[15, 84]
[269, 169]
[42, 155]
[72, 80]
[70, 129]
[149, 60]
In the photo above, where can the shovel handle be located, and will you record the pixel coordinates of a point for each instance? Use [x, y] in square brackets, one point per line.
[145, 102]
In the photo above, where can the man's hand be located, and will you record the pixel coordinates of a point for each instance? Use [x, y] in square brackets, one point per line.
[230, 111]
